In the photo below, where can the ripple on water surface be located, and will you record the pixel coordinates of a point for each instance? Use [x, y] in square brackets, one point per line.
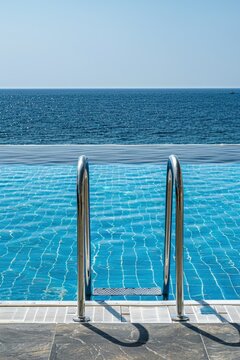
[119, 116]
[38, 230]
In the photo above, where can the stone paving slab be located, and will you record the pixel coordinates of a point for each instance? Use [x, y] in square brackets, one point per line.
[104, 313]
[119, 341]
[221, 342]
[127, 341]
[26, 341]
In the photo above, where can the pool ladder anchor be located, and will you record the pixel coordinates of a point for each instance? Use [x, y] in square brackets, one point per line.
[174, 178]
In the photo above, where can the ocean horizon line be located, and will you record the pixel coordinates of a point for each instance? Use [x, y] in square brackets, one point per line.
[121, 88]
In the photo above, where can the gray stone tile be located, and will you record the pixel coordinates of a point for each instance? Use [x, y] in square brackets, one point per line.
[30, 316]
[172, 310]
[214, 318]
[51, 314]
[125, 310]
[221, 309]
[111, 314]
[225, 318]
[127, 341]
[201, 314]
[26, 341]
[125, 318]
[116, 311]
[40, 315]
[107, 316]
[237, 307]
[89, 312]
[192, 318]
[71, 310]
[233, 313]
[60, 315]
[188, 310]
[98, 314]
[69, 319]
[20, 314]
[149, 314]
[135, 314]
[7, 313]
[164, 314]
[221, 341]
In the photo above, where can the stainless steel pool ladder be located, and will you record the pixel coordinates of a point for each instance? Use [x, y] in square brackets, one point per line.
[174, 178]
[83, 239]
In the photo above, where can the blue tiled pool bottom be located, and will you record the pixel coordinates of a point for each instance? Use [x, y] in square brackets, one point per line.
[38, 230]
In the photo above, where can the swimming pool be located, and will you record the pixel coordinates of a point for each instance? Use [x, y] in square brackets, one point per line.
[38, 229]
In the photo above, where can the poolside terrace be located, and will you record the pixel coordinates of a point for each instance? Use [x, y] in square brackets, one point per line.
[119, 330]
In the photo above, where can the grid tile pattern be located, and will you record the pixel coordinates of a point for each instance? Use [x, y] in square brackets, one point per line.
[38, 231]
[105, 313]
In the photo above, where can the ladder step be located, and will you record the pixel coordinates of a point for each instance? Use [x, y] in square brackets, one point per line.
[127, 291]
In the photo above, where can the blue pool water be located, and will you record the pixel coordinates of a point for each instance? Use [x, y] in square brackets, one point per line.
[136, 116]
[38, 229]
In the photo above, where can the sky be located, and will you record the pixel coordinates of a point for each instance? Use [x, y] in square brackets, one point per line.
[119, 43]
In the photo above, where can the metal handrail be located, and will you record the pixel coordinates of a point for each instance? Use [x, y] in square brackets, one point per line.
[174, 177]
[83, 239]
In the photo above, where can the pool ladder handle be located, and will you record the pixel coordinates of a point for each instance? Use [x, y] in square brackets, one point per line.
[83, 240]
[174, 177]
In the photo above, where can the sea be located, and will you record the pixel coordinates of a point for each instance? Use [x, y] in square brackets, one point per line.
[119, 116]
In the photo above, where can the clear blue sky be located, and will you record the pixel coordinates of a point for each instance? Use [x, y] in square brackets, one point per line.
[120, 43]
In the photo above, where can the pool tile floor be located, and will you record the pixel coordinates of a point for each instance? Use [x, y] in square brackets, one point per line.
[38, 231]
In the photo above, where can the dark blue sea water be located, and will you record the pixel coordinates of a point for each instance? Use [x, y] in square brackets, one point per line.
[119, 116]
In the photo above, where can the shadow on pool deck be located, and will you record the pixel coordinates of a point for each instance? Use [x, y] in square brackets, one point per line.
[119, 341]
[210, 336]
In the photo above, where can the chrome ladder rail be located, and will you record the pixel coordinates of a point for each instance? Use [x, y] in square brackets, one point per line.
[174, 178]
[83, 239]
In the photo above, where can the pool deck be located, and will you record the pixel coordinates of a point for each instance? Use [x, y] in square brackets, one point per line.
[201, 312]
[119, 330]
[119, 341]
